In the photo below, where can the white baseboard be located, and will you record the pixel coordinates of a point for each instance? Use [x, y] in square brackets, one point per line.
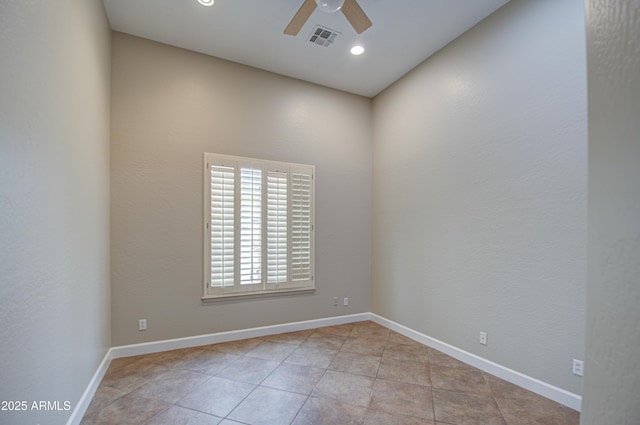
[195, 341]
[544, 389]
[89, 392]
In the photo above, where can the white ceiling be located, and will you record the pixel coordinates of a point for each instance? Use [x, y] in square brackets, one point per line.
[250, 32]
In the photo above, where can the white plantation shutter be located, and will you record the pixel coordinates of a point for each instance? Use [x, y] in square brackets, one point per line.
[301, 230]
[222, 181]
[250, 226]
[259, 232]
[277, 224]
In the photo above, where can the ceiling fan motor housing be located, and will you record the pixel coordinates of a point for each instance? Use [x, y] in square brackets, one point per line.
[330, 6]
[350, 8]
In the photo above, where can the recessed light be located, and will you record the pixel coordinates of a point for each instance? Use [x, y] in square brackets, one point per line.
[357, 50]
[206, 2]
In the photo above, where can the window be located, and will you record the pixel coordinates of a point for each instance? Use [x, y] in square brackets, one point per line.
[258, 226]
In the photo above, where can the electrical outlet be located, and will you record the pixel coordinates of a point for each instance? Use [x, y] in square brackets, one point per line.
[578, 367]
[335, 301]
[345, 302]
[142, 324]
[483, 338]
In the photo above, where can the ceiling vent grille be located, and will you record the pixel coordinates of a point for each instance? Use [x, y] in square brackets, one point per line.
[323, 36]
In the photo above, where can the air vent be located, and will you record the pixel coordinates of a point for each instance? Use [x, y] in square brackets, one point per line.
[323, 36]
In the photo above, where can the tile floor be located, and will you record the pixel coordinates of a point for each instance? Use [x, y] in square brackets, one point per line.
[358, 373]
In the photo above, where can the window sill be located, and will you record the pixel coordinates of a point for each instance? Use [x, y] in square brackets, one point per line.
[261, 294]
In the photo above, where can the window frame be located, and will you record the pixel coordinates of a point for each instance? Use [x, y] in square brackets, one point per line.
[305, 175]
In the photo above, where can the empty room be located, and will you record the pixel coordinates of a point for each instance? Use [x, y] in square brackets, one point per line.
[320, 212]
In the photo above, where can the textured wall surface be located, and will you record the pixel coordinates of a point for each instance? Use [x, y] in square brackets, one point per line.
[169, 107]
[54, 196]
[612, 368]
[479, 192]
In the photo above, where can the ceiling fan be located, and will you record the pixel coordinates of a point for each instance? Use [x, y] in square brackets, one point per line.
[351, 9]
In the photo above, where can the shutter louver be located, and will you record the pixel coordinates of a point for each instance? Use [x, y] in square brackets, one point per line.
[301, 226]
[250, 226]
[222, 226]
[277, 227]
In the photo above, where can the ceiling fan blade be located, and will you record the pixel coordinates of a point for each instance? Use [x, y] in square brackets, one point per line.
[300, 17]
[356, 16]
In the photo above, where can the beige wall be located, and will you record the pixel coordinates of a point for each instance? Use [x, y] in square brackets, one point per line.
[169, 106]
[479, 192]
[54, 202]
[612, 371]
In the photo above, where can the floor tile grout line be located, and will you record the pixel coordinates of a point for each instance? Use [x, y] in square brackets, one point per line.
[256, 385]
[265, 378]
[433, 402]
[320, 379]
[239, 403]
[158, 413]
[300, 409]
[493, 397]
